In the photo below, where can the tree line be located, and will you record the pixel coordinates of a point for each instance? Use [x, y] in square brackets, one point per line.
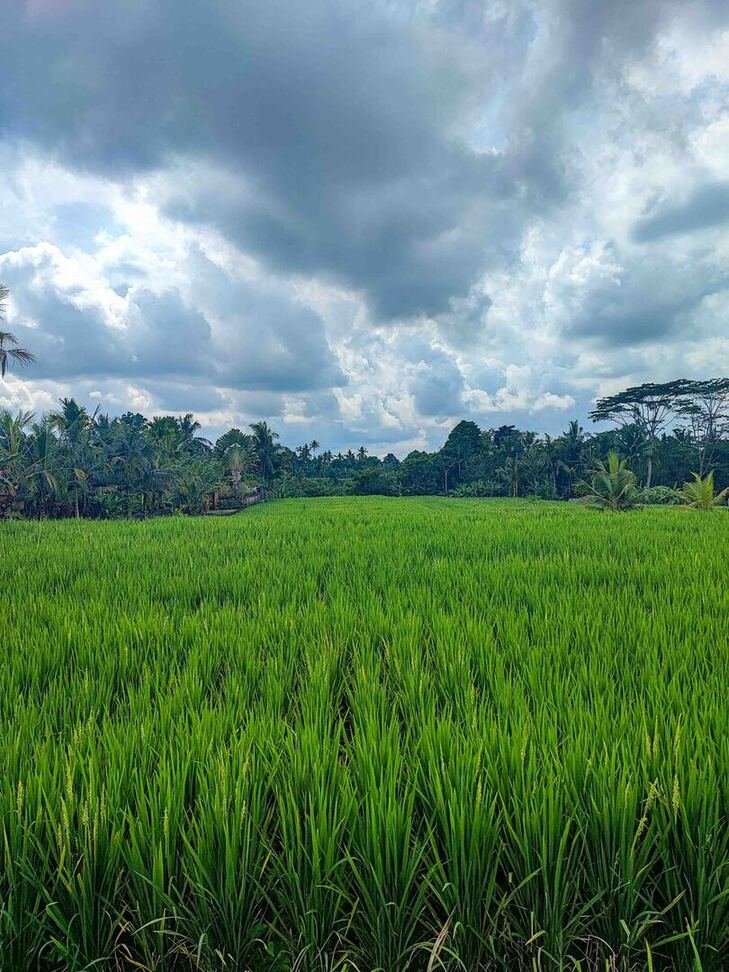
[73, 462]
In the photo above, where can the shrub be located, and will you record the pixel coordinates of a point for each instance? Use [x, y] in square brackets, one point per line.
[660, 496]
[295, 487]
[480, 488]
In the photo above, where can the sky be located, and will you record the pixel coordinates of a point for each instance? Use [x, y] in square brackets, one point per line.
[363, 220]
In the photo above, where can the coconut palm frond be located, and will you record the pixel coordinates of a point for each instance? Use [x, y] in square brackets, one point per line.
[699, 493]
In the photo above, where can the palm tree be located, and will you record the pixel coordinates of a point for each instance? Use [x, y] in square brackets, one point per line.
[164, 432]
[266, 449]
[613, 487]
[12, 430]
[12, 443]
[131, 456]
[636, 446]
[8, 354]
[42, 470]
[304, 453]
[196, 485]
[571, 452]
[510, 474]
[699, 494]
[74, 426]
[188, 428]
[31, 464]
[240, 461]
[537, 468]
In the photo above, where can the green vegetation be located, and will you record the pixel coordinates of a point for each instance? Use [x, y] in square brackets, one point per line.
[613, 486]
[700, 494]
[366, 734]
[73, 463]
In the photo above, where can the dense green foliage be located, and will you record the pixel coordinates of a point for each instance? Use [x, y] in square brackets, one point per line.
[73, 463]
[649, 409]
[366, 734]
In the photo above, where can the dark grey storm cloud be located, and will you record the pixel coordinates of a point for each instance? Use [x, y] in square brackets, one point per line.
[337, 129]
[71, 339]
[363, 213]
[334, 121]
[337, 126]
[265, 338]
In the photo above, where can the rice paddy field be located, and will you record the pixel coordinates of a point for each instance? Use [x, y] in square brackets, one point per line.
[366, 734]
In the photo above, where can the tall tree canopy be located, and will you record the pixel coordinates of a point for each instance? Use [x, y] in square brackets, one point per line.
[75, 462]
[648, 407]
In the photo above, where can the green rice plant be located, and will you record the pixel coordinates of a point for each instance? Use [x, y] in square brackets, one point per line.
[225, 855]
[464, 851]
[309, 898]
[358, 734]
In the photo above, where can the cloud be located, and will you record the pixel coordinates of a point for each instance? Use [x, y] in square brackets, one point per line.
[363, 220]
[642, 303]
[318, 137]
[550, 400]
[438, 388]
[244, 334]
[706, 207]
